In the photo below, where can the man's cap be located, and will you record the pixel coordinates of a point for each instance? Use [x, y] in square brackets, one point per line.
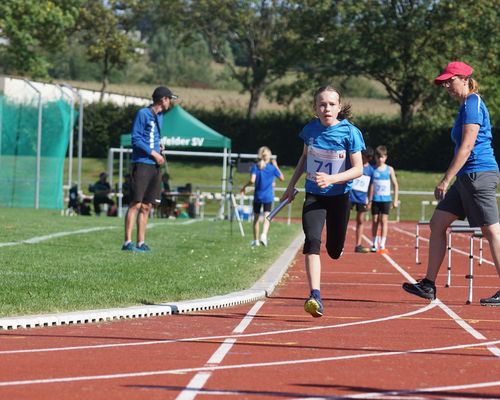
[452, 69]
[161, 92]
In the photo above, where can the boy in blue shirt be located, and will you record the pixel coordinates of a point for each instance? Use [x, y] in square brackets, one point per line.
[382, 201]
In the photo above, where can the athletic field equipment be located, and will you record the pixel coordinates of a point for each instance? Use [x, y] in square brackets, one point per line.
[34, 136]
[457, 227]
[280, 206]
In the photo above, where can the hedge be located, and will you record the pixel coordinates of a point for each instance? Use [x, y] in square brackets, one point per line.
[422, 146]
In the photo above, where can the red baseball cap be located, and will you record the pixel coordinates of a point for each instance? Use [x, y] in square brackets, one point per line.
[452, 69]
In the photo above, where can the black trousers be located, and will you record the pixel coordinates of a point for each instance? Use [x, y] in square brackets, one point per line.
[334, 210]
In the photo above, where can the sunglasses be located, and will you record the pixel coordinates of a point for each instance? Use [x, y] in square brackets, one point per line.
[448, 82]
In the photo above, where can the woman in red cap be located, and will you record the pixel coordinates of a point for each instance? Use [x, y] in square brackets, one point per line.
[473, 194]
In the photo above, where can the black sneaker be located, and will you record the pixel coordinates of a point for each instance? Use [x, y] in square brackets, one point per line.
[491, 301]
[423, 288]
[361, 249]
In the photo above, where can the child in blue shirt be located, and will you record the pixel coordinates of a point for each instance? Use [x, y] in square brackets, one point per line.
[360, 198]
[383, 177]
[331, 159]
[262, 175]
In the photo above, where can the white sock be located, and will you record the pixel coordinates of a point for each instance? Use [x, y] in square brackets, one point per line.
[382, 242]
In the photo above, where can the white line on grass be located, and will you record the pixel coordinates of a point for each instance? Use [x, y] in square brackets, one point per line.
[244, 366]
[39, 239]
[43, 238]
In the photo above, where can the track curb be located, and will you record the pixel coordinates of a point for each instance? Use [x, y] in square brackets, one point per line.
[261, 289]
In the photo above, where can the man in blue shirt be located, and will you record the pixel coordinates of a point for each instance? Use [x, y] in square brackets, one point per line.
[146, 162]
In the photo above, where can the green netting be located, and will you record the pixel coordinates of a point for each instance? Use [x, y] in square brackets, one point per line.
[18, 152]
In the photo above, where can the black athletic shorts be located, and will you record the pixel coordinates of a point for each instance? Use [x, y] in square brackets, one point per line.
[330, 210]
[257, 205]
[360, 207]
[145, 184]
[381, 207]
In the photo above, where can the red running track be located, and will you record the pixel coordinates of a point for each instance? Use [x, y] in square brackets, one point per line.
[375, 341]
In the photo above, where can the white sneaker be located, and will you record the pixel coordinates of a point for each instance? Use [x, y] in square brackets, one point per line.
[255, 243]
[263, 240]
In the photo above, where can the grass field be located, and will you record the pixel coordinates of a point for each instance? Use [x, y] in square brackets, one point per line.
[212, 98]
[86, 269]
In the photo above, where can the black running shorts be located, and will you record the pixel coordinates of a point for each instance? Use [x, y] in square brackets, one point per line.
[145, 184]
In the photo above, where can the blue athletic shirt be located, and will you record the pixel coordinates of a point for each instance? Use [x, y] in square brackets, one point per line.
[382, 184]
[329, 150]
[482, 158]
[264, 179]
[146, 136]
[360, 186]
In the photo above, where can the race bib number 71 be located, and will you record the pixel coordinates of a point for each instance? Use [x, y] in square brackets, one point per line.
[328, 161]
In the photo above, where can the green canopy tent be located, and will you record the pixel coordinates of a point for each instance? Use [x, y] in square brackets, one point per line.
[183, 131]
[181, 134]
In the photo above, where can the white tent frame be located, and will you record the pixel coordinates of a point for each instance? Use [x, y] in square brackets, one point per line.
[226, 156]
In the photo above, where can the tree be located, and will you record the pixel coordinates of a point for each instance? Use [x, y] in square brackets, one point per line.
[403, 44]
[260, 31]
[31, 27]
[106, 39]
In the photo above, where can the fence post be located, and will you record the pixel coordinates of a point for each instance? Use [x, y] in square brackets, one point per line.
[38, 144]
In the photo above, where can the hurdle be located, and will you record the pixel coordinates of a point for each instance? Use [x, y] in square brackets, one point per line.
[417, 240]
[424, 204]
[422, 221]
[474, 233]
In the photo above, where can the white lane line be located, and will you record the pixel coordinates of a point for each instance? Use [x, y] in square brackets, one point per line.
[469, 329]
[242, 335]
[197, 383]
[209, 368]
[427, 390]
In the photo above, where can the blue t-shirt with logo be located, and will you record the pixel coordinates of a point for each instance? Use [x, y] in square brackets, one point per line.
[329, 150]
[482, 158]
[146, 135]
[264, 179]
[360, 186]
